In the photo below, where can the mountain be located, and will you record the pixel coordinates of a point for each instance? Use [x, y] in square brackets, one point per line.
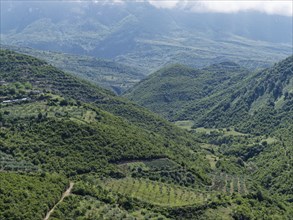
[70, 149]
[53, 122]
[252, 101]
[145, 37]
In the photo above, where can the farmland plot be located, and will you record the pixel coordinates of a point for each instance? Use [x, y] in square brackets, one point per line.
[155, 192]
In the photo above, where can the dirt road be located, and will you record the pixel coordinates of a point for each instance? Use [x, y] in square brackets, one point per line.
[66, 193]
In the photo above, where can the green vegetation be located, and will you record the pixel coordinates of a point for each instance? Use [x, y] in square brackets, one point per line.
[222, 95]
[180, 93]
[29, 196]
[260, 104]
[187, 124]
[126, 162]
[243, 124]
[154, 192]
[9, 163]
[105, 73]
[53, 122]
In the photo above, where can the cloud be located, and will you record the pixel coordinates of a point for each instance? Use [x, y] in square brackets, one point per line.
[164, 4]
[279, 7]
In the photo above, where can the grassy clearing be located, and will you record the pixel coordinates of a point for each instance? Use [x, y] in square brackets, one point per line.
[154, 192]
[89, 116]
[185, 124]
[220, 213]
[161, 163]
[270, 140]
[226, 131]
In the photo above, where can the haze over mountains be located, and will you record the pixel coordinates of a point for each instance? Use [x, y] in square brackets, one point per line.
[141, 35]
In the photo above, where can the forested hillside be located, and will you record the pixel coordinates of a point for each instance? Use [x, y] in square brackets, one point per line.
[249, 104]
[53, 87]
[176, 91]
[222, 95]
[261, 103]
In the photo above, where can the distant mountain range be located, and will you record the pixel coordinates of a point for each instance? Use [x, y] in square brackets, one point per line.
[145, 37]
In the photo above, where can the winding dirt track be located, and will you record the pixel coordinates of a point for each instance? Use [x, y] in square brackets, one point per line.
[66, 193]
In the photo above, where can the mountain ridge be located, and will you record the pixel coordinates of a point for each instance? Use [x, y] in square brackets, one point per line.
[147, 37]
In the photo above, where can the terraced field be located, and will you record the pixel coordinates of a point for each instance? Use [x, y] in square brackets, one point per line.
[35, 108]
[155, 192]
[229, 184]
[9, 163]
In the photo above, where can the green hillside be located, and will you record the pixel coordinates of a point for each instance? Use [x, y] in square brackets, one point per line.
[121, 160]
[31, 195]
[27, 77]
[222, 95]
[261, 103]
[178, 92]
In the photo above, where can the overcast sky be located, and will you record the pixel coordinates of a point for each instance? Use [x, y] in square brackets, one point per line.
[280, 7]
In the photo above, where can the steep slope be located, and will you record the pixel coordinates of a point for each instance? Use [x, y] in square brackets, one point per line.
[178, 92]
[17, 67]
[263, 106]
[221, 95]
[262, 102]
